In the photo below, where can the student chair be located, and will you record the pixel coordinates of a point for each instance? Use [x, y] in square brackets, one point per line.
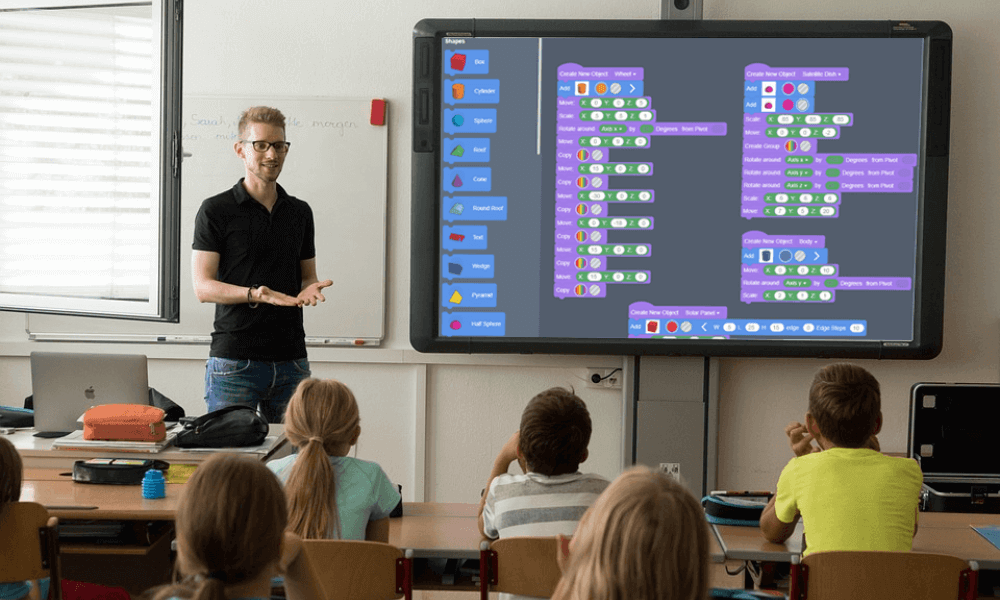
[360, 570]
[519, 565]
[29, 546]
[879, 575]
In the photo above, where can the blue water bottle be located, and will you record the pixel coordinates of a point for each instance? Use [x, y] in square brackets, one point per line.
[153, 484]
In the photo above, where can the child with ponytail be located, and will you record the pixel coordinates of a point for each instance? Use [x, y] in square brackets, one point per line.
[231, 537]
[331, 495]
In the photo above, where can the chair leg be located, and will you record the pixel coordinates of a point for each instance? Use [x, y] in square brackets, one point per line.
[408, 577]
[797, 582]
[968, 588]
[52, 547]
[484, 571]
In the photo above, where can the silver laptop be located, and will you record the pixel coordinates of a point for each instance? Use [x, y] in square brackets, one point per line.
[65, 385]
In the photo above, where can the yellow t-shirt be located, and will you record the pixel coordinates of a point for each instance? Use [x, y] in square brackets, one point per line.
[851, 499]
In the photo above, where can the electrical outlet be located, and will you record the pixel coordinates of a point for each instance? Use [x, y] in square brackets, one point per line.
[672, 470]
[609, 379]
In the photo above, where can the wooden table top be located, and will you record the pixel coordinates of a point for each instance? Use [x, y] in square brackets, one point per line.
[943, 533]
[38, 452]
[67, 499]
[430, 529]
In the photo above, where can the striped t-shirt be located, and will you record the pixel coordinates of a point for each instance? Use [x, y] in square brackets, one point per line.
[539, 505]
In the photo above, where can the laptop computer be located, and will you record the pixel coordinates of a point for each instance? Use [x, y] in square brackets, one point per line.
[65, 385]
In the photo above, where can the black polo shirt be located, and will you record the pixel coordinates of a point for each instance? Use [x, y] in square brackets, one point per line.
[257, 247]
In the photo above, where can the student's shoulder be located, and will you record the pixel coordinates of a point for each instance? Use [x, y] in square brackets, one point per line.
[594, 480]
[370, 469]
[570, 483]
[903, 466]
[279, 466]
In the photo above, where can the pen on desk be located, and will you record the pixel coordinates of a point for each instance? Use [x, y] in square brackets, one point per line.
[741, 493]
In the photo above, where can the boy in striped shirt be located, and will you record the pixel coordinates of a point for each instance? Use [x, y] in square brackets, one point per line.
[551, 495]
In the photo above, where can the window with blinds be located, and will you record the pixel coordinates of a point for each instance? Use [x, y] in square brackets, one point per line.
[88, 184]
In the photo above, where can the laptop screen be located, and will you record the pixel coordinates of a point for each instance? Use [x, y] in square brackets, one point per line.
[65, 385]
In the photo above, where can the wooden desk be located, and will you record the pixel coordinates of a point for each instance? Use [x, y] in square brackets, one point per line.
[38, 452]
[69, 500]
[944, 533]
[434, 530]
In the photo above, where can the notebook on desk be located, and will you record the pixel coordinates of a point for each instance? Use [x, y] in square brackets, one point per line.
[64, 385]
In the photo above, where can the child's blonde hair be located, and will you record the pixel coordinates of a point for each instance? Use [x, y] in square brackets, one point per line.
[322, 416]
[10, 473]
[230, 526]
[645, 538]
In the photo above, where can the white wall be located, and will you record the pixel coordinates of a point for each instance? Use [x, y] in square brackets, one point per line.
[435, 422]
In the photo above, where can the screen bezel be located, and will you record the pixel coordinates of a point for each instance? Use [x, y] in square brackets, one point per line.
[933, 154]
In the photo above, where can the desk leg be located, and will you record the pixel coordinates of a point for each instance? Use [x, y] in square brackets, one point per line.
[135, 573]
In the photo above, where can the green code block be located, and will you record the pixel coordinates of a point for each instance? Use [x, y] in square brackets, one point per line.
[803, 270]
[800, 210]
[798, 296]
[619, 141]
[613, 277]
[798, 185]
[613, 103]
[612, 249]
[616, 168]
[616, 196]
[614, 222]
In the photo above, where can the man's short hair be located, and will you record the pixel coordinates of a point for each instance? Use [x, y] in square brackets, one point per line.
[846, 402]
[555, 431]
[261, 114]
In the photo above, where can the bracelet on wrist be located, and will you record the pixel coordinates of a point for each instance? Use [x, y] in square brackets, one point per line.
[250, 296]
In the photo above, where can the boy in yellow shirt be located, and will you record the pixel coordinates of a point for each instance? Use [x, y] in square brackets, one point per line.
[850, 496]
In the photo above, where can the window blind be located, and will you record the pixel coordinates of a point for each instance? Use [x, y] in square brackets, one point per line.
[80, 156]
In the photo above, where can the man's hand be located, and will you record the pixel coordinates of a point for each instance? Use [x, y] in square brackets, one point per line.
[800, 439]
[266, 295]
[311, 295]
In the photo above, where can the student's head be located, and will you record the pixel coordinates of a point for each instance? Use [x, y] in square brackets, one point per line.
[555, 431]
[321, 420]
[846, 405]
[10, 473]
[261, 126]
[230, 524]
[645, 538]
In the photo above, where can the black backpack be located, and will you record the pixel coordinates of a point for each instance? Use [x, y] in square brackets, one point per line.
[229, 427]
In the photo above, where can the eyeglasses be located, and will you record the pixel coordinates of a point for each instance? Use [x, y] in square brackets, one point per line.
[262, 146]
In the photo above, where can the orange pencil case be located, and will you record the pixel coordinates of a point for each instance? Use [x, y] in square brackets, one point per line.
[124, 423]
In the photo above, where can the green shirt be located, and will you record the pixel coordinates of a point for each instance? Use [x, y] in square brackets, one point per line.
[851, 499]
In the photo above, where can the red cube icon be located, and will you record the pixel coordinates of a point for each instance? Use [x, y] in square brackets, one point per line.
[458, 62]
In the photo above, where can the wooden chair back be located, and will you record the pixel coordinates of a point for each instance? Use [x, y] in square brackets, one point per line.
[880, 575]
[359, 570]
[30, 545]
[526, 566]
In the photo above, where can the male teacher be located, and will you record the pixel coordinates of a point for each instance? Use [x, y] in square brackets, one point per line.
[254, 256]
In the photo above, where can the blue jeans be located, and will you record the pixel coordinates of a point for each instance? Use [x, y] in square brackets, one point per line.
[253, 382]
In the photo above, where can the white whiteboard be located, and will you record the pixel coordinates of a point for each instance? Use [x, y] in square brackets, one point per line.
[337, 164]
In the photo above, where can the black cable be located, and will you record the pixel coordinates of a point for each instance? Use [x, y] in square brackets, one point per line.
[608, 375]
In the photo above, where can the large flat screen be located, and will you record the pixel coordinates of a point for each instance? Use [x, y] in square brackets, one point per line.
[713, 188]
